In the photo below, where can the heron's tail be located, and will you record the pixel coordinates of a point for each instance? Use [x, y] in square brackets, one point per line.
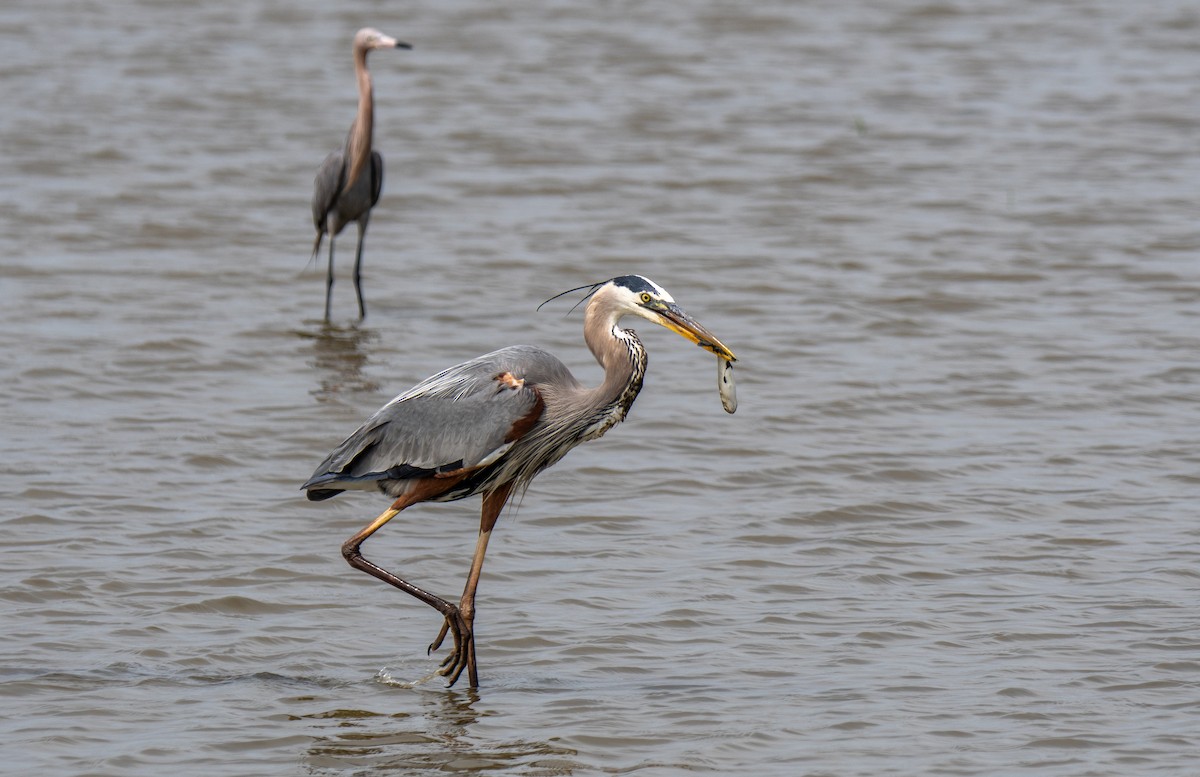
[316, 248]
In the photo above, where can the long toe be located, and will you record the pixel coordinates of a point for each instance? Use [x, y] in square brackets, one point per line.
[464, 659]
[464, 648]
[437, 641]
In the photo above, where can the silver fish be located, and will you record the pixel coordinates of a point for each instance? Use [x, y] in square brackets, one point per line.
[725, 384]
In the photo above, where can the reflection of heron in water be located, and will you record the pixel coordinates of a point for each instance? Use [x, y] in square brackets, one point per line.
[433, 740]
[340, 360]
[349, 181]
[489, 426]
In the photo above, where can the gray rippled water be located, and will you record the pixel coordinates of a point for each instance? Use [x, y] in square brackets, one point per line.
[950, 531]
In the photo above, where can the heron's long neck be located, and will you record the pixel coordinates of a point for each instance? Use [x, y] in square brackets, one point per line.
[358, 145]
[623, 358]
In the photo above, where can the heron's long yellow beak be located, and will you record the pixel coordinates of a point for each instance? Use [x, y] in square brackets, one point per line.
[674, 318]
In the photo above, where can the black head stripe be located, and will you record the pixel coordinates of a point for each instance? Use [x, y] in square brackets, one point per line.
[635, 283]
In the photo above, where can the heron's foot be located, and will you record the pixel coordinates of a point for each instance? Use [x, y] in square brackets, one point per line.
[463, 653]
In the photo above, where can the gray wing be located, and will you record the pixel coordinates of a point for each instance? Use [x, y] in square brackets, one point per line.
[326, 186]
[465, 417]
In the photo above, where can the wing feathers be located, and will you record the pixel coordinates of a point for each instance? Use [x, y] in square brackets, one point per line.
[464, 418]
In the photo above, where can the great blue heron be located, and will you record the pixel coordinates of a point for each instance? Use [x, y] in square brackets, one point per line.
[349, 181]
[488, 426]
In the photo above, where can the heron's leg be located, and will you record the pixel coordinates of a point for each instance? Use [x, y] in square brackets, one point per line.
[353, 555]
[362, 233]
[463, 656]
[329, 280]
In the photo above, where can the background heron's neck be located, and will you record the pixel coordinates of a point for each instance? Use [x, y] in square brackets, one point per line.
[358, 145]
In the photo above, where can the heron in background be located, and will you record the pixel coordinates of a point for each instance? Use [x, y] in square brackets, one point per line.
[488, 426]
[349, 181]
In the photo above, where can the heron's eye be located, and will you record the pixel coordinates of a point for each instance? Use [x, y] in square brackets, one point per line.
[646, 298]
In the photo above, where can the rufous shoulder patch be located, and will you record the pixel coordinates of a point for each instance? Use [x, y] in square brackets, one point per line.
[509, 381]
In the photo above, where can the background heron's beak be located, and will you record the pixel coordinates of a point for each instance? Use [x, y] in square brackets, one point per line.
[388, 42]
[674, 318]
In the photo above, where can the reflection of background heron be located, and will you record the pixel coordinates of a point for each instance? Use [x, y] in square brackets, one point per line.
[349, 181]
[490, 425]
[340, 357]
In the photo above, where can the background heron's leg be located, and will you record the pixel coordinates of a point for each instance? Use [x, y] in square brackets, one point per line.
[329, 280]
[464, 656]
[362, 233]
